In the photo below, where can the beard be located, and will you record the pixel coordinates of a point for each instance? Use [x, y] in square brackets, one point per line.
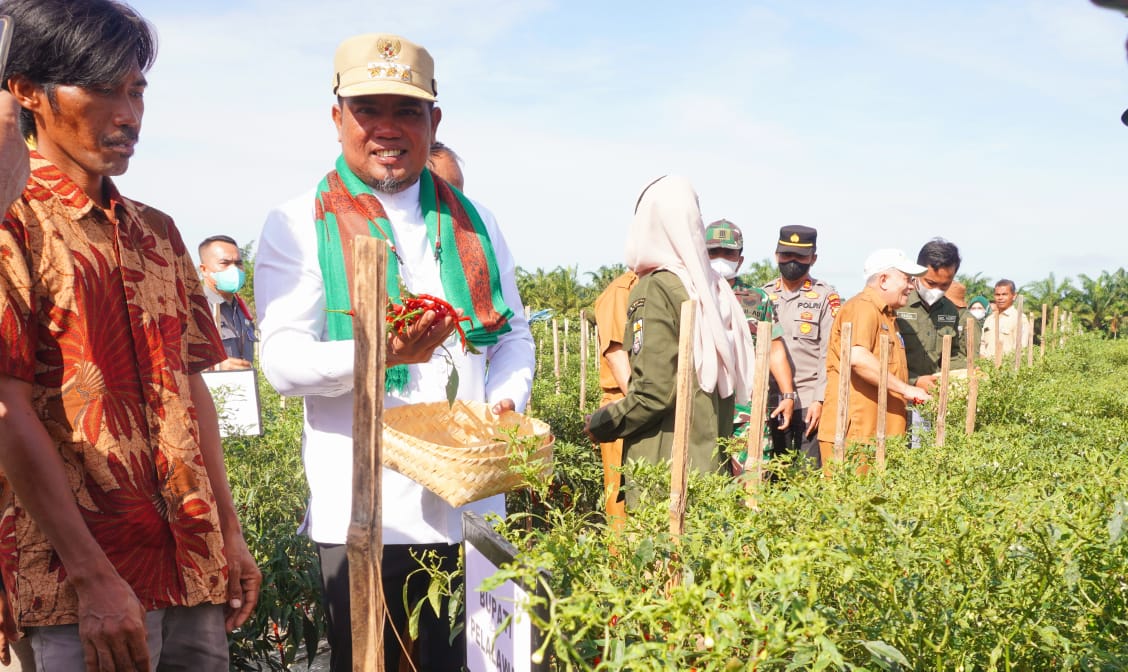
[390, 185]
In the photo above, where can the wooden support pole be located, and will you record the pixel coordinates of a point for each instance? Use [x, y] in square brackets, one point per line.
[886, 346]
[942, 405]
[1057, 324]
[564, 345]
[1045, 335]
[998, 342]
[1030, 350]
[364, 540]
[683, 419]
[972, 378]
[844, 373]
[1019, 333]
[583, 359]
[556, 354]
[754, 431]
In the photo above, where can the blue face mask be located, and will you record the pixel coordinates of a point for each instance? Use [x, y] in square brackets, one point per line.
[230, 279]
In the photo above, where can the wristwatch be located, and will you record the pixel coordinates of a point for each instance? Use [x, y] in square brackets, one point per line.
[789, 395]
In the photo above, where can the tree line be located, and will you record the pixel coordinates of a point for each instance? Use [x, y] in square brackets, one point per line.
[1098, 302]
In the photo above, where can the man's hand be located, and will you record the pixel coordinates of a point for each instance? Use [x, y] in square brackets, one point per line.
[14, 169]
[504, 406]
[926, 382]
[8, 632]
[111, 626]
[233, 364]
[785, 408]
[814, 414]
[915, 394]
[243, 580]
[418, 341]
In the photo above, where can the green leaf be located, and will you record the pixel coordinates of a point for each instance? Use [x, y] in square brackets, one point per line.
[886, 655]
[1116, 523]
[434, 596]
[452, 386]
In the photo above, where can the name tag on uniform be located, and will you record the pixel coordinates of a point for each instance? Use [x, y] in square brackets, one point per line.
[951, 319]
[906, 316]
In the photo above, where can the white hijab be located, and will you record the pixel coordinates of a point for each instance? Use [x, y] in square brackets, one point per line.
[667, 234]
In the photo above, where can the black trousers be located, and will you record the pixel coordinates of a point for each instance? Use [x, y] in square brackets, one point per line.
[436, 652]
[792, 439]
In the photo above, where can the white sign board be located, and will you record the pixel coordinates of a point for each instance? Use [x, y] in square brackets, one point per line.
[499, 635]
[236, 400]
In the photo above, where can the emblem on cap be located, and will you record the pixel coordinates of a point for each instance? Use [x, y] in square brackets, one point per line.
[795, 237]
[389, 50]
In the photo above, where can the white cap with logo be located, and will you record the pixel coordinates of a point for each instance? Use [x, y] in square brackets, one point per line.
[883, 260]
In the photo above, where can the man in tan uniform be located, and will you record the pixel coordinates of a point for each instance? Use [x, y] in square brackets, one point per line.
[806, 308]
[1005, 321]
[872, 313]
[614, 376]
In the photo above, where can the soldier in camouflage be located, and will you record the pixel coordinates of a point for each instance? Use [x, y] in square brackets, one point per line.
[725, 244]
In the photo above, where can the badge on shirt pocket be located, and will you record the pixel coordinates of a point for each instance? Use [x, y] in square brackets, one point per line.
[636, 339]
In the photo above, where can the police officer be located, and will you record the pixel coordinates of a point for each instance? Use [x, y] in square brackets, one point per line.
[724, 243]
[806, 308]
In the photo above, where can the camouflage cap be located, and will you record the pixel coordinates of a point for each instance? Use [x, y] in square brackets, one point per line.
[723, 234]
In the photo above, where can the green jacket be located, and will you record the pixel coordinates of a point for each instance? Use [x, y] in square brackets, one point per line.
[924, 328]
[644, 419]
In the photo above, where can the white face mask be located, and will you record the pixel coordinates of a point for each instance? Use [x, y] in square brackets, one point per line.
[978, 312]
[725, 267]
[930, 296]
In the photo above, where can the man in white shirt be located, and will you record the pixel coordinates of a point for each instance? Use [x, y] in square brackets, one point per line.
[1004, 320]
[386, 122]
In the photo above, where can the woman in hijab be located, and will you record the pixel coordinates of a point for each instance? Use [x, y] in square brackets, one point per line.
[666, 248]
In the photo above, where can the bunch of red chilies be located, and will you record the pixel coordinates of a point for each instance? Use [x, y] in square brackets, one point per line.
[400, 316]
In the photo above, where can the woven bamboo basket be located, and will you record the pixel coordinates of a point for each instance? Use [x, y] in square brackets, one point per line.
[459, 452]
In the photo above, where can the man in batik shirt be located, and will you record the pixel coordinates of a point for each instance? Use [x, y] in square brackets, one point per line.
[119, 543]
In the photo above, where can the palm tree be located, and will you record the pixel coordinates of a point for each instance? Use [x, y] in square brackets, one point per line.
[977, 285]
[1098, 300]
[759, 272]
[1048, 291]
[603, 276]
[558, 289]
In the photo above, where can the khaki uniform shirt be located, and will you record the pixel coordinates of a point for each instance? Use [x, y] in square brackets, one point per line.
[644, 419]
[871, 318]
[923, 328]
[806, 316]
[610, 320]
[1008, 325]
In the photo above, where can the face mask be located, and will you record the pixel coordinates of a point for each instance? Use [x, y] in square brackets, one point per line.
[978, 312]
[793, 270]
[725, 267]
[230, 279]
[930, 296]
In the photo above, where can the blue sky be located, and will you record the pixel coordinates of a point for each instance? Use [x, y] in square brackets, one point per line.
[881, 123]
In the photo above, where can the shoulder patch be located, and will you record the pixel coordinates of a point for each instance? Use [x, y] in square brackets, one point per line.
[636, 339]
[835, 302]
[635, 305]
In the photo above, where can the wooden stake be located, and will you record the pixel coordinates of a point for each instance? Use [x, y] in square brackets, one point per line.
[564, 346]
[1057, 324]
[1030, 350]
[972, 378]
[754, 431]
[583, 359]
[364, 541]
[844, 373]
[683, 419]
[942, 406]
[998, 342]
[556, 354]
[886, 346]
[1019, 332]
[1045, 334]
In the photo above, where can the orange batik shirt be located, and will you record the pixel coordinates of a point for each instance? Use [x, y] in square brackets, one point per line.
[105, 317]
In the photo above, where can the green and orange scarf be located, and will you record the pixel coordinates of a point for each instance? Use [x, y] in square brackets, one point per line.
[345, 208]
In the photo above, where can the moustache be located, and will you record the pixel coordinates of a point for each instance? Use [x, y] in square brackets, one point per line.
[125, 136]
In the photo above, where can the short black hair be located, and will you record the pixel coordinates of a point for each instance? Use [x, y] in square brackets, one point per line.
[85, 43]
[214, 239]
[1007, 283]
[939, 253]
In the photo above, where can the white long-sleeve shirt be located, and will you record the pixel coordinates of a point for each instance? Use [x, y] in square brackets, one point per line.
[299, 360]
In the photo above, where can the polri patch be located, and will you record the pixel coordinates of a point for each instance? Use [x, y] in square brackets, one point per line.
[835, 302]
